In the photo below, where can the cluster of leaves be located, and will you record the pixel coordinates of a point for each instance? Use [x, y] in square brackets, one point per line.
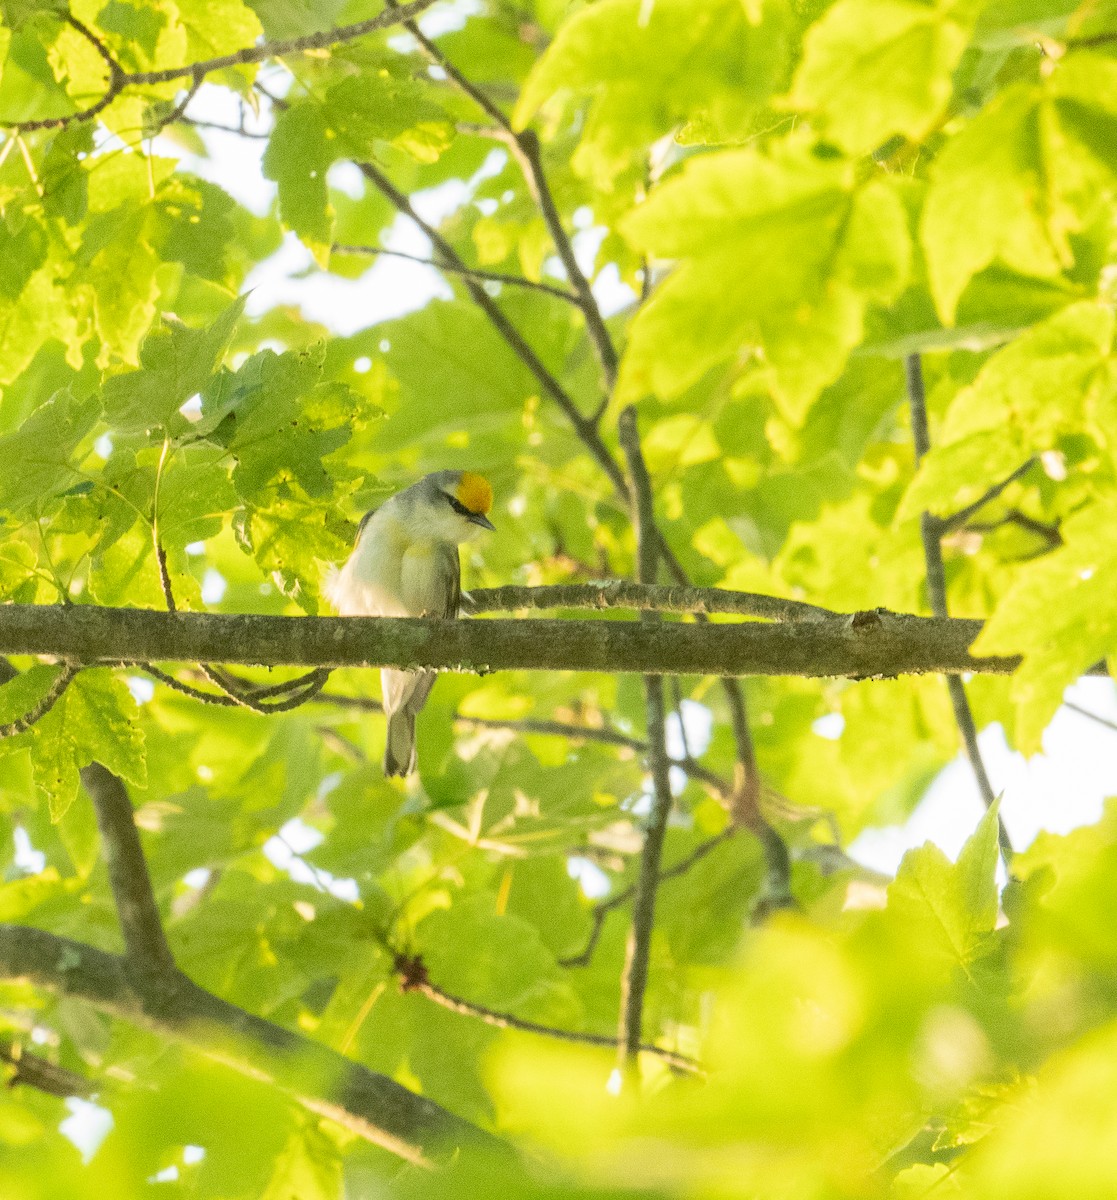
[776, 201]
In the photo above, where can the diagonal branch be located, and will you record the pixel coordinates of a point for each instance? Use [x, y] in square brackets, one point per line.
[147, 955]
[1091, 41]
[32, 1070]
[36, 713]
[963, 515]
[578, 733]
[529, 151]
[1093, 716]
[222, 699]
[931, 530]
[525, 146]
[120, 79]
[217, 127]
[291, 693]
[116, 71]
[370, 1105]
[583, 426]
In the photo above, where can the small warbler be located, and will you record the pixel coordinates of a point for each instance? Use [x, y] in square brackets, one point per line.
[405, 564]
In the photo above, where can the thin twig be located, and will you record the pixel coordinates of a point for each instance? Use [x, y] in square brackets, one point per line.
[582, 733]
[936, 591]
[116, 71]
[312, 683]
[292, 692]
[1093, 716]
[120, 79]
[624, 593]
[602, 909]
[296, 692]
[1048, 533]
[634, 978]
[469, 272]
[963, 515]
[745, 803]
[720, 787]
[362, 703]
[677, 705]
[164, 575]
[36, 713]
[221, 699]
[179, 111]
[309, 686]
[745, 810]
[217, 127]
[321, 881]
[502, 1020]
[435, 55]
[340, 745]
[606, 352]
[32, 1070]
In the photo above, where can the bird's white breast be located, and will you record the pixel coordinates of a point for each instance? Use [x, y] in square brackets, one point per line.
[392, 572]
[369, 585]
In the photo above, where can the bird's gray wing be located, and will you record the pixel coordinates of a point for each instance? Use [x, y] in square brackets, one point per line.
[431, 580]
[431, 585]
[364, 521]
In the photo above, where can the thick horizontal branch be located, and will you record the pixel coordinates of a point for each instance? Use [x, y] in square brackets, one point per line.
[371, 1105]
[864, 645]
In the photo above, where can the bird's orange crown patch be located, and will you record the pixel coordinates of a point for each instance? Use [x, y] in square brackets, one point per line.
[475, 493]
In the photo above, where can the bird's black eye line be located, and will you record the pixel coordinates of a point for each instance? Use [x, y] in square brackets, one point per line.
[458, 506]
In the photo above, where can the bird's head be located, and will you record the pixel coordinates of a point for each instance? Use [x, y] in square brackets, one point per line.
[454, 504]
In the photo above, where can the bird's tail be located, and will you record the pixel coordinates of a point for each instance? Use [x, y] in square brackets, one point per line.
[399, 748]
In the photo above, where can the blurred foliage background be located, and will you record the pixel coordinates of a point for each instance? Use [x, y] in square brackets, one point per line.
[769, 205]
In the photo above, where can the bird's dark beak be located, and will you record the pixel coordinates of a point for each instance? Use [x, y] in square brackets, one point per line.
[482, 520]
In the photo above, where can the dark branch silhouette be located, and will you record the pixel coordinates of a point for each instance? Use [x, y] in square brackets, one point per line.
[119, 80]
[931, 529]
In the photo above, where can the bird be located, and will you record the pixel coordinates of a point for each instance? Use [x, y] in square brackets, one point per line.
[405, 563]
